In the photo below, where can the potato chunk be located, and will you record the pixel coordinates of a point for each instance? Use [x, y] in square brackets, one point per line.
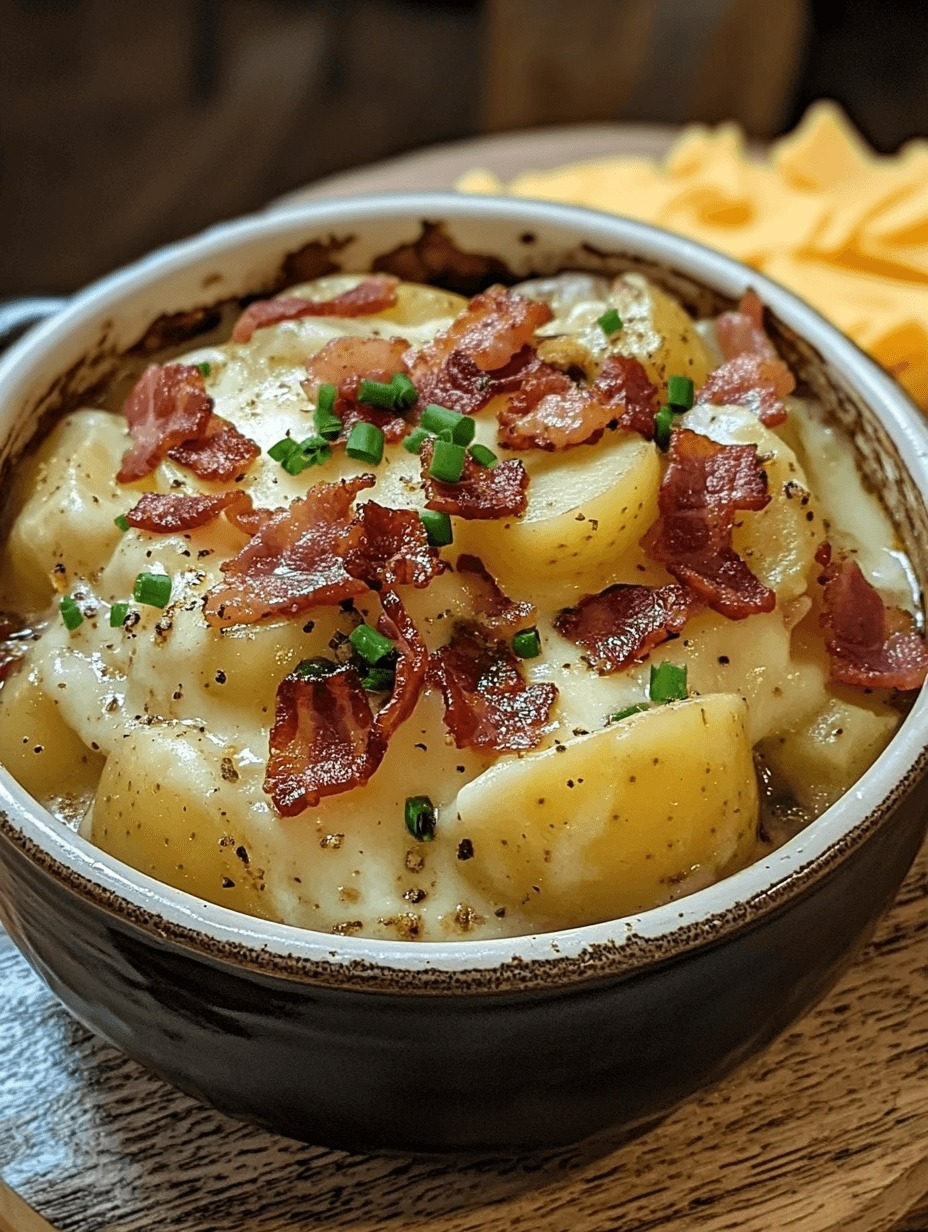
[586, 508]
[617, 821]
[657, 331]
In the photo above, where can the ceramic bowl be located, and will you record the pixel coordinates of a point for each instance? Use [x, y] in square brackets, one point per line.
[514, 1044]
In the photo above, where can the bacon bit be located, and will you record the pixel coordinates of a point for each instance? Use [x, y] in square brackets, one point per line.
[623, 624]
[167, 514]
[623, 384]
[550, 411]
[754, 376]
[326, 739]
[220, 455]
[344, 363]
[296, 559]
[393, 549]
[320, 743]
[498, 613]
[482, 491]
[480, 353]
[167, 405]
[373, 295]
[870, 645]
[704, 486]
[488, 705]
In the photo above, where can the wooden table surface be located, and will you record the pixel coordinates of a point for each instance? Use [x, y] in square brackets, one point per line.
[826, 1132]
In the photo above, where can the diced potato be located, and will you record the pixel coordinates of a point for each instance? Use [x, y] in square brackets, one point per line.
[818, 760]
[657, 331]
[778, 542]
[168, 805]
[41, 751]
[616, 821]
[586, 508]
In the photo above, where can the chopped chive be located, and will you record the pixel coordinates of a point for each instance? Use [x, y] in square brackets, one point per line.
[439, 419]
[370, 645]
[328, 424]
[377, 393]
[365, 442]
[483, 456]
[118, 614]
[71, 614]
[152, 589]
[680, 393]
[420, 818]
[610, 322]
[627, 713]
[204, 368]
[527, 644]
[122, 522]
[379, 680]
[437, 527]
[315, 668]
[447, 461]
[282, 449]
[405, 393]
[668, 683]
[314, 451]
[415, 440]
[663, 422]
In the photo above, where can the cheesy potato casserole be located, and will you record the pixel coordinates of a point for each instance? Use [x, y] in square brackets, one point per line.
[406, 616]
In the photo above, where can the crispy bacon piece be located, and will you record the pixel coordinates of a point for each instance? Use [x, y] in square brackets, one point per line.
[623, 624]
[482, 491]
[753, 375]
[704, 486]
[166, 514]
[498, 613]
[326, 739]
[344, 363]
[295, 561]
[869, 644]
[320, 743]
[220, 455]
[167, 405]
[623, 385]
[374, 294]
[488, 704]
[393, 549]
[481, 353]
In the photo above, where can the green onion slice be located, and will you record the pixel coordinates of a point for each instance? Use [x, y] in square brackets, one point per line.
[527, 644]
[405, 393]
[483, 456]
[365, 442]
[377, 393]
[122, 522]
[379, 680]
[152, 589]
[627, 713]
[315, 668]
[420, 818]
[118, 614]
[668, 683]
[328, 424]
[370, 645]
[610, 322]
[439, 419]
[447, 461]
[663, 422]
[437, 527]
[414, 442]
[282, 449]
[204, 368]
[71, 614]
[681, 393]
[314, 451]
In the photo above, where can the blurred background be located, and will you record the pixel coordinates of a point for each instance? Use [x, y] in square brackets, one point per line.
[127, 123]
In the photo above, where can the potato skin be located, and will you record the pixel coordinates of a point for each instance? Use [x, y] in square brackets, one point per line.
[619, 820]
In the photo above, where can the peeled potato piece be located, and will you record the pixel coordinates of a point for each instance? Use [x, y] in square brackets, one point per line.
[779, 541]
[614, 822]
[586, 508]
[657, 331]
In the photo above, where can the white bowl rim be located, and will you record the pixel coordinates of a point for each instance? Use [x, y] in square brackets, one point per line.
[571, 954]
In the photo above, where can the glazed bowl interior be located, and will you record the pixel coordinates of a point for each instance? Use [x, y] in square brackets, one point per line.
[174, 296]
